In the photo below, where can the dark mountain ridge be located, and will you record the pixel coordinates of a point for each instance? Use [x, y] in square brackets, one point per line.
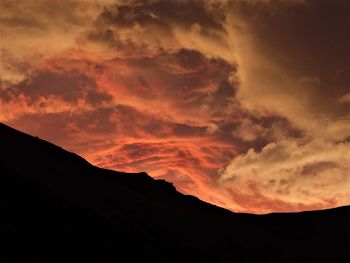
[56, 207]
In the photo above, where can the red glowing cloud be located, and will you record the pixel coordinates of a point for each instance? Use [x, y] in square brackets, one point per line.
[202, 99]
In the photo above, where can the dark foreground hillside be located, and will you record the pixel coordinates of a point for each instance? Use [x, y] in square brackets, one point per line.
[56, 207]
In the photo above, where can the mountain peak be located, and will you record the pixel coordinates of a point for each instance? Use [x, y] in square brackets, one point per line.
[58, 207]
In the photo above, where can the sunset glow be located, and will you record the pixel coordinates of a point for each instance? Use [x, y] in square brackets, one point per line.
[244, 104]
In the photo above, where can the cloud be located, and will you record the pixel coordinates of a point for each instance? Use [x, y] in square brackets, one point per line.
[249, 131]
[187, 162]
[345, 98]
[196, 92]
[35, 30]
[309, 173]
[23, 105]
[163, 84]
[50, 93]
[277, 70]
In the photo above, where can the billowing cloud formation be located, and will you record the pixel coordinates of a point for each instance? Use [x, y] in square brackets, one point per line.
[32, 31]
[312, 173]
[241, 103]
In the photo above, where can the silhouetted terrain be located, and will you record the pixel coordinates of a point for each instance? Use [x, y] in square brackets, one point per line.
[56, 207]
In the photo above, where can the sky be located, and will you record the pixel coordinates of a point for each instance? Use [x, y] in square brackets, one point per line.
[244, 104]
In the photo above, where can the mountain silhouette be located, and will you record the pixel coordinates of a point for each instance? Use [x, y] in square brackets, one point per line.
[57, 207]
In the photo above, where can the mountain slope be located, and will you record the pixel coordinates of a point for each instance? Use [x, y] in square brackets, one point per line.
[56, 207]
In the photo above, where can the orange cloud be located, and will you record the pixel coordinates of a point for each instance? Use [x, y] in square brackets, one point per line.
[220, 97]
[308, 174]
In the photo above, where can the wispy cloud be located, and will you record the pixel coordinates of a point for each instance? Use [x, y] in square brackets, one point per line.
[242, 103]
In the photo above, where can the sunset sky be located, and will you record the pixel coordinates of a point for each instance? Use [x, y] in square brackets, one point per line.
[244, 104]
